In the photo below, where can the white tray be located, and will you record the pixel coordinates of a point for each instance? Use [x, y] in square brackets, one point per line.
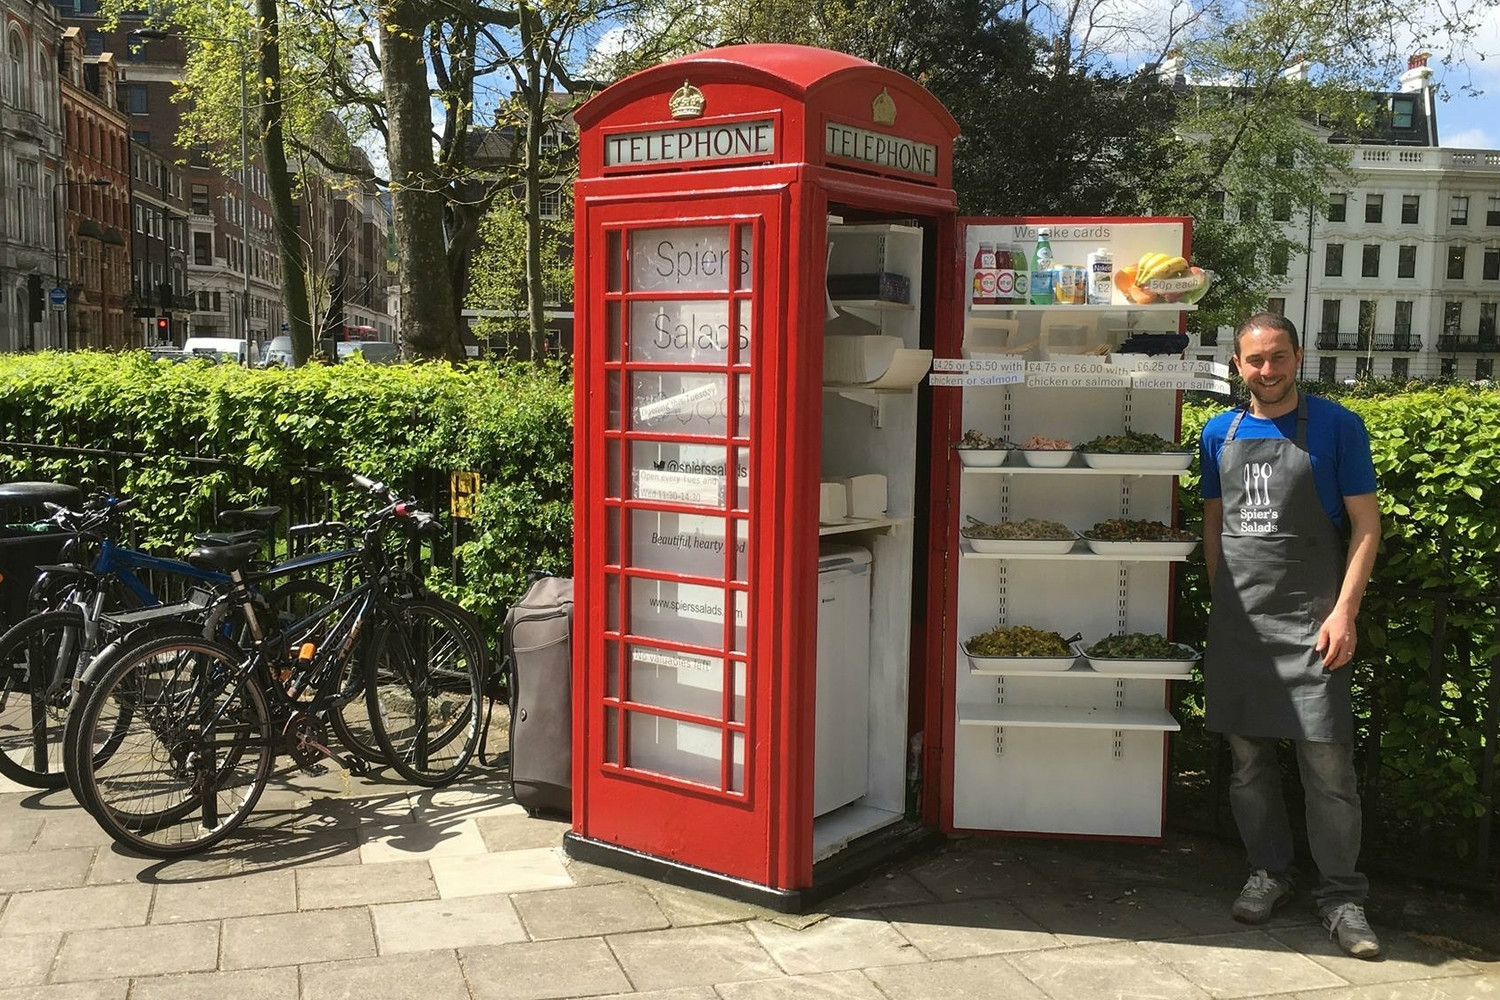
[1127, 549]
[1154, 668]
[1019, 664]
[1048, 458]
[983, 458]
[1160, 461]
[1022, 546]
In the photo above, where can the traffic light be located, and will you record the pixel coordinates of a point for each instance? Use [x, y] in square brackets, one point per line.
[163, 329]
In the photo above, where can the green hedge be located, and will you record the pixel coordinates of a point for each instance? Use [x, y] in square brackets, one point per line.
[1437, 455]
[283, 436]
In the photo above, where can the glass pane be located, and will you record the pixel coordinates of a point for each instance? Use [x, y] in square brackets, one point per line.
[680, 404]
[688, 613]
[689, 544]
[611, 735]
[737, 771]
[612, 261]
[680, 749]
[737, 710]
[611, 669]
[612, 329]
[612, 402]
[686, 332]
[741, 552]
[612, 536]
[677, 473]
[742, 476]
[611, 602]
[690, 259]
[685, 682]
[740, 602]
[612, 477]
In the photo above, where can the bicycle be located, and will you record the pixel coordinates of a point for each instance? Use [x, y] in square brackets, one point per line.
[178, 733]
[41, 655]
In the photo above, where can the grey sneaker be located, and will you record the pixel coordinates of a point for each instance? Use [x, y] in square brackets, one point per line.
[1347, 925]
[1262, 895]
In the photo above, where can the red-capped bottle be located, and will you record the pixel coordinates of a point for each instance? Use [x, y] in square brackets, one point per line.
[984, 275]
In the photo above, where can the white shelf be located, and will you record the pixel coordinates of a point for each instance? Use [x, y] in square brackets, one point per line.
[1080, 553]
[877, 304]
[1067, 470]
[1081, 670]
[1163, 307]
[862, 524]
[833, 831]
[1061, 717]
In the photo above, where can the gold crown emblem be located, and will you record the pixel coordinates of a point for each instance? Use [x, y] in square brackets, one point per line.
[883, 108]
[686, 102]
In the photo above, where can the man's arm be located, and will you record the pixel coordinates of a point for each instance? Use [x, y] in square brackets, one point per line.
[1213, 530]
[1336, 638]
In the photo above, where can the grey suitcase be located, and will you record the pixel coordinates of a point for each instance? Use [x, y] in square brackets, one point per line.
[539, 652]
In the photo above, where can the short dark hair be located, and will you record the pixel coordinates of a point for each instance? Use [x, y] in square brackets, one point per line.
[1267, 321]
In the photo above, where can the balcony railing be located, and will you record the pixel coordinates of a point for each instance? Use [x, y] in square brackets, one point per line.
[1369, 342]
[1330, 341]
[1397, 342]
[1468, 343]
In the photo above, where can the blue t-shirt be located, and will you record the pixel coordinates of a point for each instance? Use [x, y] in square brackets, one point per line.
[1337, 443]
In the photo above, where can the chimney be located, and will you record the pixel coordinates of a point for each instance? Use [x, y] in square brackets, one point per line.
[1417, 77]
[1299, 69]
[1170, 69]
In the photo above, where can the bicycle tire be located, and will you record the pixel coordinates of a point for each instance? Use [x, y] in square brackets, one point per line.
[422, 688]
[185, 702]
[33, 716]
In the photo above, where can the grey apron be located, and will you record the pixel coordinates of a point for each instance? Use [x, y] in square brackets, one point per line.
[1279, 574]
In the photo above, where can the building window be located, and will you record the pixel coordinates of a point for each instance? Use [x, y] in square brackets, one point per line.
[1247, 209]
[1484, 368]
[1487, 323]
[1277, 306]
[1374, 207]
[200, 199]
[1492, 214]
[1328, 369]
[1362, 366]
[1448, 368]
[1369, 265]
[93, 42]
[1491, 263]
[1216, 204]
[1403, 321]
[1280, 261]
[1281, 208]
[1456, 262]
[135, 98]
[1400, 367]
[1366, 322]
[1411, 204]
[203, 248]
[1331, 315]
[1458, 211]
[141, 139]
[1403, 110]
[1453, 318]
[1406, 262]
[551, 203]
[1338, 206]
[15, 70]
[1333, 260]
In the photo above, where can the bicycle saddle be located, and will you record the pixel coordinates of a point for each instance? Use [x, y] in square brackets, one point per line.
[252, 517]
[224, 557]
[36, 493]
[228, 537]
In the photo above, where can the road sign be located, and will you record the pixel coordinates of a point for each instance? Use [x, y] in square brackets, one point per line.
[58, 297]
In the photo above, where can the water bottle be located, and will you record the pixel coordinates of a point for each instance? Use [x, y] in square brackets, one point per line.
[1041, 269]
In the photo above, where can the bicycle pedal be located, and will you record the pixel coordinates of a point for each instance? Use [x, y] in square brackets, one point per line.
[355, 765]
[315, 769]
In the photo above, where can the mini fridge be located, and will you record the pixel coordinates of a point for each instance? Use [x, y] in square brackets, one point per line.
[842, 749]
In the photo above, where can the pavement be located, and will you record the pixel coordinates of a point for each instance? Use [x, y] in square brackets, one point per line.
[343, 887]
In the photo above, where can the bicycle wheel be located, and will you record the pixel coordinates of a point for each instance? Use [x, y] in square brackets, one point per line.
[196, 752]
[422, 686]
[38, 656]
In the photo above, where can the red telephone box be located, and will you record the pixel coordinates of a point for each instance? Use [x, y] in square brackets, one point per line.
[766, 504]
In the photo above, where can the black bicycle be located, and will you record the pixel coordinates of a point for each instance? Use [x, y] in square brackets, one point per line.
[178, 732]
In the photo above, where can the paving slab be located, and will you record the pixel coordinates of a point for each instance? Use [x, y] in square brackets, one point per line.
[1402, 958]
[153, 950]
[834, 944]
[588, 911]
[721, 953]
[1248, 964]
[689, 908]
[419, 841]
[818, 986]
[680, 993]
[438, 924]
[77, 909]
[221, 898]
[288, 848]
[584, 873]
[25, 959]
[1208, 913]
[1106, 970]
[358, 885]
[541, 970]
[18, 833]
[64, 828]
[1429, 990]
[890, 889]
[245, 984]
[112, 989]
[513, 831]
[477, 797]
[971, 928]
[45, 869]
[1093, 918]
[433, 975]
[958, 876]
[1475, 988]
[297, 938]
[115, 864]
[987, 978]
[507, 871]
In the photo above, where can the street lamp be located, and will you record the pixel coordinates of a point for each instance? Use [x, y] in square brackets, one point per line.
[158, 35]
[62, 235]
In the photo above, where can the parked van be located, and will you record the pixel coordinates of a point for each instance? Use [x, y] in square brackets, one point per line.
[376, 352]
[222, 348]
[278, 352]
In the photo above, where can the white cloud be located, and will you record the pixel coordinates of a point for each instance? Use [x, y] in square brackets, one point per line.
[1469, 138]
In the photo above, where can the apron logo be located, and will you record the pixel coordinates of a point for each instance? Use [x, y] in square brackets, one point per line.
[1256, 515]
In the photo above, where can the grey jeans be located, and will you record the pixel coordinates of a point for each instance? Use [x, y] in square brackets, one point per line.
[1333, 814]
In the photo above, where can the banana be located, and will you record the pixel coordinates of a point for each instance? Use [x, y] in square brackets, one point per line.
[1144, 266]
[1163, 267]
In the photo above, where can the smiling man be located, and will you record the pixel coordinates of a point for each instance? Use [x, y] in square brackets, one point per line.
[1281, 478]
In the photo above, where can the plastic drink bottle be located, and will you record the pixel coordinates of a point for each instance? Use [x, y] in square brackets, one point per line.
[1041, 269]
[1005, 275]
[1023, 274]
[984, 275]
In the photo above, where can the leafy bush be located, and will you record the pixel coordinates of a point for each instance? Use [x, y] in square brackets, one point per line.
[1425, 679]
[190, 439]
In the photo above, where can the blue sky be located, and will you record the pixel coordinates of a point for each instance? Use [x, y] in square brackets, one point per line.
[1466, 121]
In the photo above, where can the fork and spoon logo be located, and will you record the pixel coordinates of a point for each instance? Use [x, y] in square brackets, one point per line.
[1258, 484]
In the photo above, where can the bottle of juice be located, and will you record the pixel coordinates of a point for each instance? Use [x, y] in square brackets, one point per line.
[1101, 271]
[1005, 274]
[1041, 269]
[984, 275]
[1023, 274]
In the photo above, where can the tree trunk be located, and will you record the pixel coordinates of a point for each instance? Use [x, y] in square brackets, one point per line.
[533, 37]
[428, 306]
[279, 185]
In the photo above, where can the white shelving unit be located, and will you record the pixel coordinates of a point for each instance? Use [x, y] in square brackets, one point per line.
[1075, 751]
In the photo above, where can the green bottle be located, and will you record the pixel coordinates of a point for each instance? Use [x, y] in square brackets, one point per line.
[1041, 269]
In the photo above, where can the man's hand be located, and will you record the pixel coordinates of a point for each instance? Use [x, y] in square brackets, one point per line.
[1336, 639]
